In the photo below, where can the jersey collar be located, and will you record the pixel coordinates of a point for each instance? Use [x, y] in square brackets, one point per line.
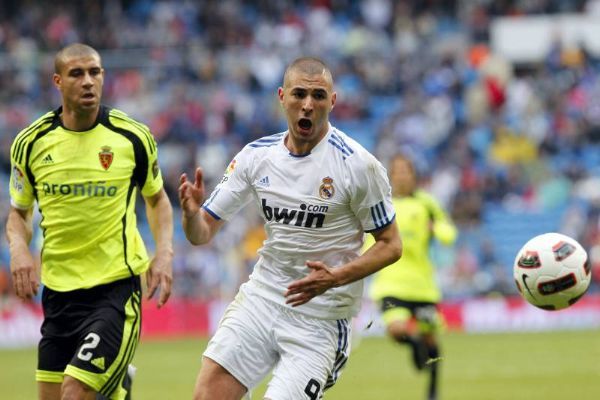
[102, 116]
[315, 149]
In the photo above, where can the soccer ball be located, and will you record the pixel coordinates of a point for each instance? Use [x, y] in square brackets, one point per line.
[552, 271]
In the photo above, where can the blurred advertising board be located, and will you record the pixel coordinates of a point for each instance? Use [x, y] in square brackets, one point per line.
[20, 323]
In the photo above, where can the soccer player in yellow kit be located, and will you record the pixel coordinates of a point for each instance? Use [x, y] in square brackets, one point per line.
[84, 164]
[406, 290]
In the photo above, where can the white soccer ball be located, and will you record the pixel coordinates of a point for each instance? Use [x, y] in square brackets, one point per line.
[552, 271]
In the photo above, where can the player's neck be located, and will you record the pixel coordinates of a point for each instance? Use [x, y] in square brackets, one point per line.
[302, 147]
[75, 121]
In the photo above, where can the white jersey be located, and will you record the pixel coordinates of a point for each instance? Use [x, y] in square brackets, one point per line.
[316, 207]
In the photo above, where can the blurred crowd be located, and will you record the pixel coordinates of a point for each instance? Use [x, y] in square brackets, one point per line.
[495, 141]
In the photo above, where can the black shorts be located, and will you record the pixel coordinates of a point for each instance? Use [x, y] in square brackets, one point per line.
[90, 334]
[426, 314]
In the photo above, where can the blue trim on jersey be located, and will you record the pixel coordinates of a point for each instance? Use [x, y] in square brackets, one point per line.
[263, 145]
[337, 146]
[275, 136]
[212, 213]
[342, 142]
[212, 197]
[379, 215]
[381, 227]
[267, 141]
[375, 217]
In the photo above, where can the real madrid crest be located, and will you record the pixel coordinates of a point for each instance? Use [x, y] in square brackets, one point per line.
[326, 190]
[106, 157]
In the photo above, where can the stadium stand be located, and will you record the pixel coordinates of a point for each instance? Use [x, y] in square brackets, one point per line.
[511, 148]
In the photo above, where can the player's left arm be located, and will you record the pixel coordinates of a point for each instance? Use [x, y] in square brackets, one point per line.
[160, 219]
[386, 250]
[442, 227]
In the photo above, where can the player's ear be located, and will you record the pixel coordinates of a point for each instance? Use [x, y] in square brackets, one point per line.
[57, 80]
[333, 99]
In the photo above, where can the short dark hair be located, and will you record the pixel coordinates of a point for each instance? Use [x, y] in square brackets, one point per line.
[307, 65]
[73, 50]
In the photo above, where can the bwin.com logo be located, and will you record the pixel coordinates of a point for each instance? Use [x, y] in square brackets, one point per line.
[89, 189]
[308, 216]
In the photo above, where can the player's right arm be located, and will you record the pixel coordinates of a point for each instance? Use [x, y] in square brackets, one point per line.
[19, 224]
[202, 220]
[19, 231]
[199, 226]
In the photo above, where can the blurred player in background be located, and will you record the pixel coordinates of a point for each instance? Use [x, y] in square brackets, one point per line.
[84, 163]
[318, 191]
[406, 290]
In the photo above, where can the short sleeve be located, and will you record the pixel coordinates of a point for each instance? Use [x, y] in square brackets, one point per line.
[147, 174]
[371, 194]
[153, 182]
[21, 188]
[233, 192]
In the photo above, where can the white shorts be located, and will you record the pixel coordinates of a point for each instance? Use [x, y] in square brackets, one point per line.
[257, 335]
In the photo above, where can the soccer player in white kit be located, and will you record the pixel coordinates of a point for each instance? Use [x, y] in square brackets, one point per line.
[318, 191]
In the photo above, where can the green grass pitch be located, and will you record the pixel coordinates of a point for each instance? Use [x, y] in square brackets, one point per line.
[544, 366]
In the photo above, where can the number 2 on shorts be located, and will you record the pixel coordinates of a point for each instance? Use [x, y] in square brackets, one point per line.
[92, 340]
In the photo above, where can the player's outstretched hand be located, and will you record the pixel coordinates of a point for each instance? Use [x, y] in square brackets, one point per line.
[160, 274]
[191, 195]
[315, 283]
[25, 277]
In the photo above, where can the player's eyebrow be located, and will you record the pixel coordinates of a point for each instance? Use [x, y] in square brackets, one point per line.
[79, 69]
[314, 90]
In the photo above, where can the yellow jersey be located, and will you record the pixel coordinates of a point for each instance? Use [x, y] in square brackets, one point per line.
[85, 184]
[419, 218]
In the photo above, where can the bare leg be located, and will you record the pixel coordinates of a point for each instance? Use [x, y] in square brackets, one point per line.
[48, 391]
[401, 333]
[72, 389]
[215, 382]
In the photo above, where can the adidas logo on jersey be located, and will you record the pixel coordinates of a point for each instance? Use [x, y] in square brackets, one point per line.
[264, 182]
[305, 217]
[98, 362]
[48, 159]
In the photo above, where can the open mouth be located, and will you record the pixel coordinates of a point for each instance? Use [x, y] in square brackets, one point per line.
[88, 96]
[305, 123]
